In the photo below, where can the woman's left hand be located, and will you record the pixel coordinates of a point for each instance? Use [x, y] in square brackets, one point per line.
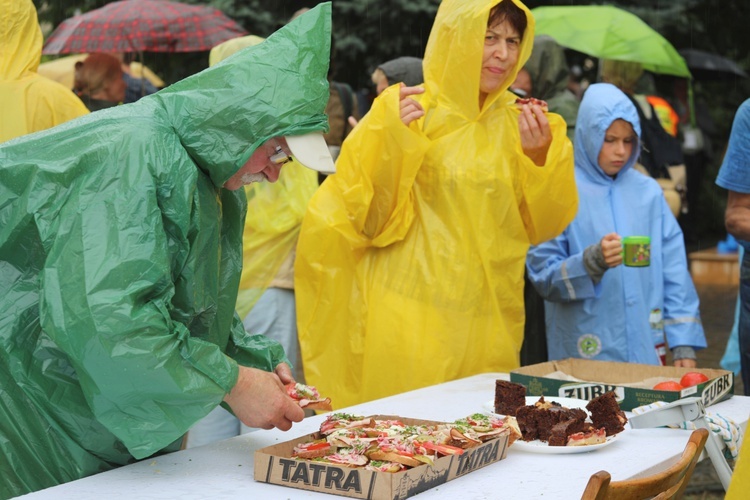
[536, 137]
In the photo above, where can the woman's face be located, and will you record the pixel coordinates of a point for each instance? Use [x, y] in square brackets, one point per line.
[502, 44]
[260, 166]
[617, 147]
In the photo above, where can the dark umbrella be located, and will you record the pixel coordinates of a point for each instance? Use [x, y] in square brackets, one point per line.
[143, 26]
[708, 66]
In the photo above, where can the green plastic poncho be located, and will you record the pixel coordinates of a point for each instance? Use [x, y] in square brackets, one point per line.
[274, 216]
[29, 102]
[120, 258]
[410, 262]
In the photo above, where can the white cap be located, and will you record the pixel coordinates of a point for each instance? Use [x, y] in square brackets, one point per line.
[311, 151]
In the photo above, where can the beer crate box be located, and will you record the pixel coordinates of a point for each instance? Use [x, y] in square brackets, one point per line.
[275, 465]
[631, 382]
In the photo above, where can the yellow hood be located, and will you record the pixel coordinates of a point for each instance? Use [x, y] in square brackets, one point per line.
[456, 43]
[21, 49]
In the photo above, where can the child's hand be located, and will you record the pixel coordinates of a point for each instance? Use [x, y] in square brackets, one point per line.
[536, 137]
[612, 249]
[686, 363]
[410, 109]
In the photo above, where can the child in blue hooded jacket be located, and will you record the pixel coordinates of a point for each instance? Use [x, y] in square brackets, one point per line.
[596, 308]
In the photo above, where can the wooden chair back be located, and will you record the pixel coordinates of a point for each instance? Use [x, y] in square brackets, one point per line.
[668, 484]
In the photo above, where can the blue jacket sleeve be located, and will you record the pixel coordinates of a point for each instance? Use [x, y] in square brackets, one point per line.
[682, 322]
[558, 276]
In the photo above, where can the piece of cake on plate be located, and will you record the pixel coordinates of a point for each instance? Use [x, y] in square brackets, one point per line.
[606, 413]
[509, 396]
[536, 421]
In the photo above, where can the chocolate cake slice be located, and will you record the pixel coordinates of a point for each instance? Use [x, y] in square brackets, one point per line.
[561, 431]
[606, 413]
[509, 396]
[536, 421]
[526, 420]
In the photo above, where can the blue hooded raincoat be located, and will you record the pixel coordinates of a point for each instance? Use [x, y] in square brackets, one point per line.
[624, 316]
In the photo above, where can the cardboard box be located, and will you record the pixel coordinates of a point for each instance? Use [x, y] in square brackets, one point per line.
[602, 376]
[274, 465]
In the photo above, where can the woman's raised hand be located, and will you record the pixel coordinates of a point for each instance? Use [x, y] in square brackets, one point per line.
[535, 133]
[410, 109]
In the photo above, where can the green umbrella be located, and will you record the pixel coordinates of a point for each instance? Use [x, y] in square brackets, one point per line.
[607, 32]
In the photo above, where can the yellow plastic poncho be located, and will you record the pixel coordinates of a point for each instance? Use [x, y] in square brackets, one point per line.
[410, 262]
[740, 483]
[29, 102]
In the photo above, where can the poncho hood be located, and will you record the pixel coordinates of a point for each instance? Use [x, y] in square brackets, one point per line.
[602, 104]
[21, 49]
[276, 88]
[457, 43]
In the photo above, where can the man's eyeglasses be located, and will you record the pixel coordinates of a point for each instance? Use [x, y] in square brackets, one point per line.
[280, 157]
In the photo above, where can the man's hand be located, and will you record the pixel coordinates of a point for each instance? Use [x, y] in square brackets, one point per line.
[259, 399]
[737, 215]
[612, 249]
[285, 373]
[410, 109]
[536, 137]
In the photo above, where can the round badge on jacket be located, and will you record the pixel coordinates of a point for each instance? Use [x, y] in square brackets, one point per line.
[589, 345]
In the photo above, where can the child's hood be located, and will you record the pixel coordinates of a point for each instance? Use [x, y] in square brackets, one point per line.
[602, 104]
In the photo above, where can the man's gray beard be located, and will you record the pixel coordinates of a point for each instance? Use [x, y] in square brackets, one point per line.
[251, 178]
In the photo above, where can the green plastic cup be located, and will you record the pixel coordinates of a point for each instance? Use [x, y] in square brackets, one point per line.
[636, 251]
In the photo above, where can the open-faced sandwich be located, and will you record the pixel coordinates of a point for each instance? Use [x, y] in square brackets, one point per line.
[531, 101]
[308, 397]
[392, 446]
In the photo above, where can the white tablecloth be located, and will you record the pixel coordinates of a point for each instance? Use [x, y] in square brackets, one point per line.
[225, 469]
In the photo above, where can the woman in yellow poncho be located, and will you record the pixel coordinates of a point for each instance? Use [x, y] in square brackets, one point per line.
[410, 262]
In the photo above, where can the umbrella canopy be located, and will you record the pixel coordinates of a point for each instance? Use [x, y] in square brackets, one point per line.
[708, 66]
[143, 25]
[607, 32]
[63, 70]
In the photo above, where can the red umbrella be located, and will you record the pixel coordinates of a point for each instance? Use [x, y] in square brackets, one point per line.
[143, 25]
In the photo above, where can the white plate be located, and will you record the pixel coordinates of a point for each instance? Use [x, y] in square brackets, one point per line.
[537, 446]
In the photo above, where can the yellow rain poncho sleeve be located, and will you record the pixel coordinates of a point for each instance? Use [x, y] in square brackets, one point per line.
[410, 262]
[28, 102]
[740, 483]
[120, 259]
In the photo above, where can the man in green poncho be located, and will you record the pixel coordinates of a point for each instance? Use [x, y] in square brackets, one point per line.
[120, 257]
